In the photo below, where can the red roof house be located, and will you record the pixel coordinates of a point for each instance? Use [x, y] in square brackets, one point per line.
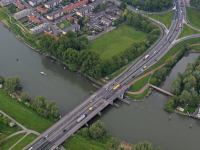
[41, 10]
[75, 6]
[52, 35]
[35, 20]
[70, 17]
[20, 6]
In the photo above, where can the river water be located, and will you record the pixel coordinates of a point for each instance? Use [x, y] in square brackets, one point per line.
[128, 122]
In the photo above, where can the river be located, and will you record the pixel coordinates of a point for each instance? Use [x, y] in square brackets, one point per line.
[128, 122]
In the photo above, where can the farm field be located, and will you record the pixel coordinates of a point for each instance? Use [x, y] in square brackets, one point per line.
[116, 41]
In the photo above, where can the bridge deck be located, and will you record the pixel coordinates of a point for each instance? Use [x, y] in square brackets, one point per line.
[161, 90]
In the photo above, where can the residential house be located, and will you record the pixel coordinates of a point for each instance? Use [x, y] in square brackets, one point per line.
[83, 11]
[35, 2]
[96, 16]
[35, 20]
[52, 3]
[19, 5]
[112, 8]
[96, 3]
[22, 14]
[41, 28]
[74, 27]
[77, 5]
[54, 14]
[106, 21]
[43, 11]
[74, 19]
[52, 35]
[95, 25]
[4, 3]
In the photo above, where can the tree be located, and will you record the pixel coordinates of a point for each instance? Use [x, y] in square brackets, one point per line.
[176, 86]
[58, 34]
[71, 34]
[97, 130]
[122, 6]
[24, 97]
[80, 22]
[154, 81]
[85, 132]
[143, 146]
[170, 61]
[161, 73]
[86, 18]
[32, 36]
[114, 143]
[1, 79]
[125, 12]
[102, 6]
[195, 3]
[13, 84]
[71, 20]
[159, 148]
[191, 79]
[12, 8]
[39, 104]
[185, 97]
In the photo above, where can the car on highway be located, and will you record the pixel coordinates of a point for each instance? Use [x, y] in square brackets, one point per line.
[90, 108]
[176, 29]
[46, 136]
[64, 130]
[145, 67]
[106, 89]
[91, 101]
[30, 148]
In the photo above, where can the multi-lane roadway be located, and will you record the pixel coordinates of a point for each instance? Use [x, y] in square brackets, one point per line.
[68, 125]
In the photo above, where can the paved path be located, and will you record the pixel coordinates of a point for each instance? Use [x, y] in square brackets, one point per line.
[147, 85]
[24, 128]
[194, 44]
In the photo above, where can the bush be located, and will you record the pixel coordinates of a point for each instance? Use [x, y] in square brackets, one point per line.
[169, 106]
[154, 81]
[1, 79]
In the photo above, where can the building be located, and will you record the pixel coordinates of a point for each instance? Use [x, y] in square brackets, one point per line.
[52, 3]
[54, 14]
[96, 3]
[112, 8]
[95, 25]
[77, 5]
[96, 16]
[74, 19]
[52, 35]
[33, 19]
[22, 14]
[19, 5]
[4, 3]
[83, 11]
[43, 11]
[74, 27]
[41, 28]
[106, 21]
[35, 2]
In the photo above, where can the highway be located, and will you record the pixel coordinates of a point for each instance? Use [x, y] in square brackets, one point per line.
[68, 125]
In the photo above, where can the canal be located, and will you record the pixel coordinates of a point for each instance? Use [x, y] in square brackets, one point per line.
[128, 122]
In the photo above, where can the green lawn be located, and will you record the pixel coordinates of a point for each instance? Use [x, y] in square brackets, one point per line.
[140, 96]
[187, 31]
[171, 52]
[78, 142]
[28, 139]
[64, 24]
[23, 114]
[196, 47]
[9, 142]
[166, 18]
[116, 41]
[137, 86]
[6, 130]
[193, 16]
[24, 19]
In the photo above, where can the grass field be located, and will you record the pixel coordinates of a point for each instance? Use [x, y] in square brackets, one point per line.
[116, 41]
[9, 142]
[78, 142]
[166, 18]
[171, 52]
[196, 47]
[187, 31]
[6, 130]
[64, 24]
[137, 86]
[28, 139]
[140, 96]
[23, 114]
[193, 16]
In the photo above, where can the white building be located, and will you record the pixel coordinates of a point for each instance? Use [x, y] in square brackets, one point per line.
[39, 29]
[22, 14]
[7, 2]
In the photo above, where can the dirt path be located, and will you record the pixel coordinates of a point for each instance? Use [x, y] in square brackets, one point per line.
[194, 44]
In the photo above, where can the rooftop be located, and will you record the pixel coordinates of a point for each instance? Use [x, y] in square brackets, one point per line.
[71, 27]
[51, 2]
[54, 12]
[52, 35]
[84, 8]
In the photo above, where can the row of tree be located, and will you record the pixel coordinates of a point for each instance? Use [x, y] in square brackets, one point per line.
[150, 5]
[145, 146]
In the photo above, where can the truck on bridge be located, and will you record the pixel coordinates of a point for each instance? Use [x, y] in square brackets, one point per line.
[182, 3]
[118, 85]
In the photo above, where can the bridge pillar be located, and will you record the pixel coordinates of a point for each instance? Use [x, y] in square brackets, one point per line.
[111, 103]
[99, 113]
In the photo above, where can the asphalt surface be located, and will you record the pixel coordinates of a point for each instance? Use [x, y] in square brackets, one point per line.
[68, 124]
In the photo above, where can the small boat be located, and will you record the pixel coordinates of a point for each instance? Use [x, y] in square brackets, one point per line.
[17, 59]
[43, 73]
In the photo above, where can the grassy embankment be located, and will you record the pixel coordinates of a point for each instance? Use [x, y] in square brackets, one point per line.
[140, 96]
[29, 138]
[187, 31]
[196, 47]
[23, 114]
[79, 142]
[171, 52]
[116, 41]
[64, 24]
[193, 16]
[9, 142]
[166, 18]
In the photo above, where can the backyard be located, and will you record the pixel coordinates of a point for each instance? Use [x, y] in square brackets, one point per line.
[64, 24]
[116, 41]
[193, 17]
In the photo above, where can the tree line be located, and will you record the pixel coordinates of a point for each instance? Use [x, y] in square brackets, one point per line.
[150, 5]
[195, 3]
[40, 104]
